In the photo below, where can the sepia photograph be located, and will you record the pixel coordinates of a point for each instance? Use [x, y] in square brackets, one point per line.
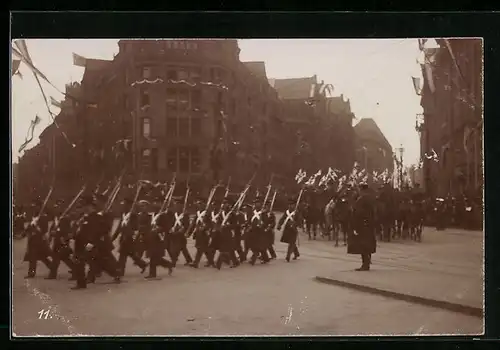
[247, 187]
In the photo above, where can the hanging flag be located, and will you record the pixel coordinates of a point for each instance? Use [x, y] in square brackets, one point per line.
[31, 130]
[79, 61]
[15, 66]
[30, 65]
[416, 85]
[54, 102]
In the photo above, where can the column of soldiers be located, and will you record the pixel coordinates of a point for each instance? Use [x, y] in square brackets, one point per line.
[153, 235]
[229, 232]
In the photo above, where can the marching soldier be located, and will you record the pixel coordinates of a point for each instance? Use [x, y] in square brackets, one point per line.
[60, 236]
[290, 222]
[88, 224]
[127, 231]
[153, 240]
[245, 215]
[362, 239]
[269, 225]
[238, 229]
[19, 221]
[200, 230]
[100, 246]
[258, 236]
[214, 244]
[178, 234]
[37, 246]
[225, 226]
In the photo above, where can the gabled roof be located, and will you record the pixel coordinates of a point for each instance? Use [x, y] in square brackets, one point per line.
[367, 129]
[295, 88]
[338, 105]
[257, 68]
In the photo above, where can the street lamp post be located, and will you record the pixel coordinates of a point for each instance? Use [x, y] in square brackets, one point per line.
[401, 151]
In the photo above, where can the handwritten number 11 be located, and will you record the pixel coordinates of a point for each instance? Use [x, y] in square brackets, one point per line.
[42, 314]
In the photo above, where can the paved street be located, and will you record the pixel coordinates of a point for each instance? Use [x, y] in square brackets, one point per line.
[275, 299]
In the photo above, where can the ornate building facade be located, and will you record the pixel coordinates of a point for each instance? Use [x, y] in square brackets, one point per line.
[188, 107]
[451, 125]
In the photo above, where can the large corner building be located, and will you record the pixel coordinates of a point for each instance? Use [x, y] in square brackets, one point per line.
[190, 107]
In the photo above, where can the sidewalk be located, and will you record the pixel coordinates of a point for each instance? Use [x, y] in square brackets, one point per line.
[444, 271]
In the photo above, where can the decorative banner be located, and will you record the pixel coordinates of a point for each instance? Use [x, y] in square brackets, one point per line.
[54, 102]
[432, 156]
[15, 66]
[79, 61]
[31, 130]
[417, 85]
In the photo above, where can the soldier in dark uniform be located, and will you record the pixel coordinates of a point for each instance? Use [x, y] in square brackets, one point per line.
[362, 239]
[127, 231]
[245, 215]
[258, 238]
[60, 235]
[88, 224]
[225, 226]
[269, 225]
[238, 229]
[200, 230]
[19, 221]
[37, 246]
[153, 239]
[214, 244]
[312, 215]
[102, 258]
[163, 223]
[290, 221]
[178, 234]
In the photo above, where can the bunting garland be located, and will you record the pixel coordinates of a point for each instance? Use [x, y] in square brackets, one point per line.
[26, 58]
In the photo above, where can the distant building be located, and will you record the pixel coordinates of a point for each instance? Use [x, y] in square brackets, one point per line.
[373, 151]
[452, 122]
[192, 108]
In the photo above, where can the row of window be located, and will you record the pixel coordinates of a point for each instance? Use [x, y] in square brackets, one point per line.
[175, 127]
[180, 159]
[184, 73]
[180, 99]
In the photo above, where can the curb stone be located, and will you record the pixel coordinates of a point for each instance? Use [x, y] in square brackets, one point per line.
[463, 309]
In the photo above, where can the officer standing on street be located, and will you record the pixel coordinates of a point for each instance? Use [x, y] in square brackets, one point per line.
[362, 239]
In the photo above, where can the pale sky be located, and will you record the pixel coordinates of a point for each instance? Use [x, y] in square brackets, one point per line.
[375, 74]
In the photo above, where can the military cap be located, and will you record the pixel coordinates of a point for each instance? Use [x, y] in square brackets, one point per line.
[292, 201]
[363, 186]
[143, 202]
